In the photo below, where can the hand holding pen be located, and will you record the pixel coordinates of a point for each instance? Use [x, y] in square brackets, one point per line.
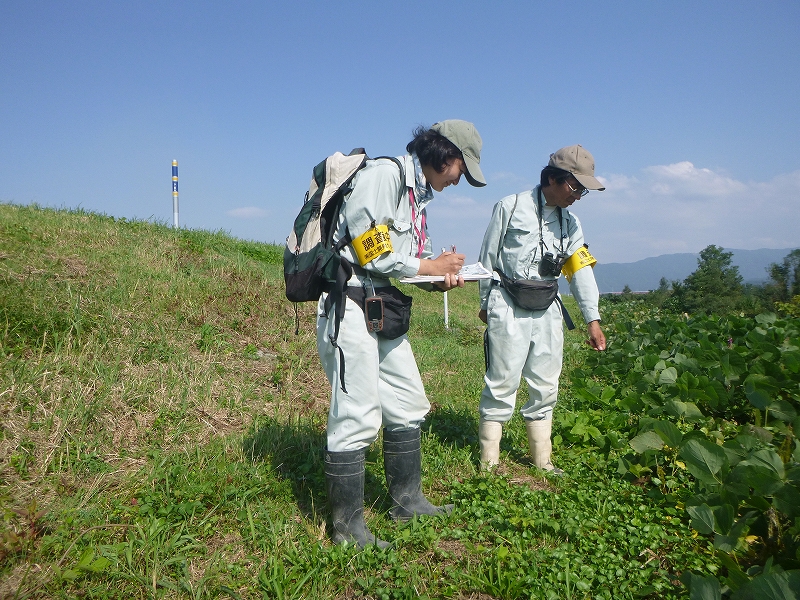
[450, 263]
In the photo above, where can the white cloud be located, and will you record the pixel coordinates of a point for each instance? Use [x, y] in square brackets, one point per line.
[509, 177]
[663, 209]
[457, 207]
[683, 208]
[247, 212]
[685, 178]
[457, 202]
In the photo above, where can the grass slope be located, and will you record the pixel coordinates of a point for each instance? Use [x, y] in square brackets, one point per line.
[162, 428]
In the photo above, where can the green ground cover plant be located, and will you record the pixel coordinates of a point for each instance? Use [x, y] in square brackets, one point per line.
[163, 425]
[714, 405]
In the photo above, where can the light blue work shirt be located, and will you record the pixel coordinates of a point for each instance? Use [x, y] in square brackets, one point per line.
[374, 201]
[520, 254]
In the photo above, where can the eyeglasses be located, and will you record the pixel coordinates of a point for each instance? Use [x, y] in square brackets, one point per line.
[579, 193]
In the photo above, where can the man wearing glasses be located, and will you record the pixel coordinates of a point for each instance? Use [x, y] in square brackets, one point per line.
[531, 239]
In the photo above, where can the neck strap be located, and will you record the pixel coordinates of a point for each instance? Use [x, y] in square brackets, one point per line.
[560, 223]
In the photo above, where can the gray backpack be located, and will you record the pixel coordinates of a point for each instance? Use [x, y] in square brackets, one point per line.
[312, 263]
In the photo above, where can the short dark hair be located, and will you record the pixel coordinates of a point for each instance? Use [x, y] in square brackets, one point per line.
[560, 175]
[433, 149]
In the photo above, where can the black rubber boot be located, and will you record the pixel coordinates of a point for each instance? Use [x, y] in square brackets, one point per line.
[344, 474]
[402, 459]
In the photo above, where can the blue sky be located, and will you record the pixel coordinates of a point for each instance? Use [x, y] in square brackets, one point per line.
[690, 109]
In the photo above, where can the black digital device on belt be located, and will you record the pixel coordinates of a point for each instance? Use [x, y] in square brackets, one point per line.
[373, 310]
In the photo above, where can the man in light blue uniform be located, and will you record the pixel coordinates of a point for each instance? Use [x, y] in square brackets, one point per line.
[532, 236]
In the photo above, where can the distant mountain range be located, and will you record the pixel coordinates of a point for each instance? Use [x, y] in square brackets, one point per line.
[645, 274]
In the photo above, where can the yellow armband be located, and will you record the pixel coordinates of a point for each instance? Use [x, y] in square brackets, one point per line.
[372, 243]
[581, 258]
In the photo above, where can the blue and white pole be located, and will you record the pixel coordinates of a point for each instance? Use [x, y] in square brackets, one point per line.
[175, 194]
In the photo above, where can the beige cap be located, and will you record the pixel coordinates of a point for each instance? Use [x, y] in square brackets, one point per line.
[578, 161]
[467, 139]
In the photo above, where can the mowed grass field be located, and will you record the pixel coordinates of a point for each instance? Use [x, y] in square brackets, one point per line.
[163, 414]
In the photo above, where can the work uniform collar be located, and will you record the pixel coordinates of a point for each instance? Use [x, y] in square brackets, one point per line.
[422, 190]
[550, 214]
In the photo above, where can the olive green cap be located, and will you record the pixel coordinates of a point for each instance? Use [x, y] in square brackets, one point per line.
[467, 139]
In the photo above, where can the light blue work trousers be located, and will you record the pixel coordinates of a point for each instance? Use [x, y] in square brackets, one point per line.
[522, 343]
[384, 387]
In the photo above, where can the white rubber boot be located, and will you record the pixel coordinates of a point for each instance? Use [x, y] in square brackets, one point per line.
[489, 434]
[541, 445]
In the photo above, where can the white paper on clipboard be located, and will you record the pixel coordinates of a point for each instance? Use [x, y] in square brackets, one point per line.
[472, 272]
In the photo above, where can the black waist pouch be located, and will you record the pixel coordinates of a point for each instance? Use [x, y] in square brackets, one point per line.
[396, 309]
[530, 294]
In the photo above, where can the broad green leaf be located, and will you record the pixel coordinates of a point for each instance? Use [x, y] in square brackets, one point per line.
[668, 432]
[702, 396]
[787, 501]
[766, 318]
[782, 585]
[757, 502]
[718, 389]
[631, 403]
[783, 411]
[608, 394]
[769, 460]
[707, 519]
[649, 440]
[791, 360]
[759, 390]
[668, 376]
[676, 408]
[704, 459]
[702, 518]
[746, 441]
[763, 471]
[739, 448]
[99, 565]
[728, 541]
[683, 360]
[736, 577]
[701, 587]
[586, 394]
[759, 433]
[594, 432]
[692, 413]
[759, 398]
[86, 558]
[732, 365]
[723, 517]
[578, 430]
